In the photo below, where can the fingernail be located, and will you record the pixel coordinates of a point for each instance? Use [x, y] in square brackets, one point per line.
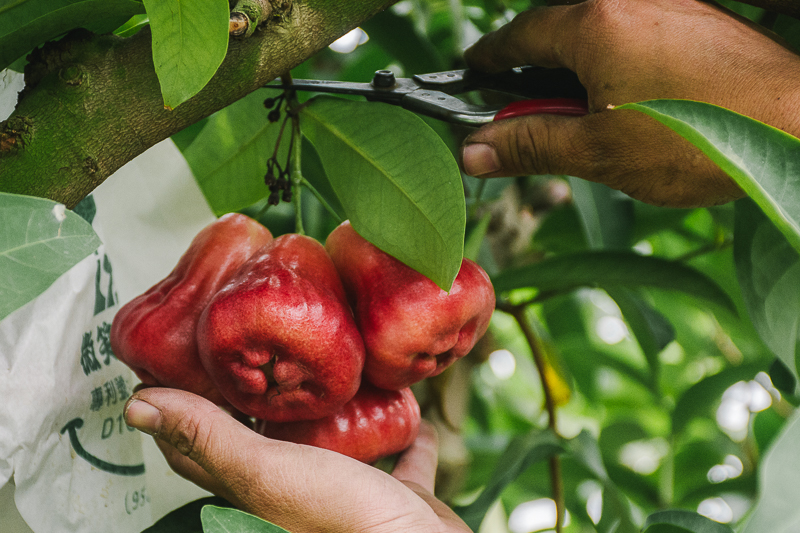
[480, 159]
[143, 416]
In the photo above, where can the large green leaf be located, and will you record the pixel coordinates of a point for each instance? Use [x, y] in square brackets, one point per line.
[768, 270]
[610, 270]
[229, 156]
[25, 24]
[776, 510]
[398, 183]
[190, 40]
[764, 161]
[521, 453]
[227, 520]
[681, 521]
[39, 241]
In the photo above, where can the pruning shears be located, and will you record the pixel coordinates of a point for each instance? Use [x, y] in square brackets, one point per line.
[538, 90]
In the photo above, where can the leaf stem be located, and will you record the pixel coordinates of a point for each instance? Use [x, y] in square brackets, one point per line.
[519, 314]
[321, 200]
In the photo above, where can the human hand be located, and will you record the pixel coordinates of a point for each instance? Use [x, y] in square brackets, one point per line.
[300, 488]
[629, 51]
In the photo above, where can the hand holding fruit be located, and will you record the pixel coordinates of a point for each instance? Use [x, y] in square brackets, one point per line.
[300, 488]
[273, 336]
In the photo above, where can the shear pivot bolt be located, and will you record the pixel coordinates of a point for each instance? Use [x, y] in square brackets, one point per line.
[383, 79]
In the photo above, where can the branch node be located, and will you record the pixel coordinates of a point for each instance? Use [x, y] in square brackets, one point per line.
[72, 75]
[248, 15]
[13, 133]
[90, 165]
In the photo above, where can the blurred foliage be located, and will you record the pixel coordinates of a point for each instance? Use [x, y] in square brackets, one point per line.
[662, 391]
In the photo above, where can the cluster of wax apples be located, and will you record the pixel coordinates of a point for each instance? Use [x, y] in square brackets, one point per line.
[318, 343]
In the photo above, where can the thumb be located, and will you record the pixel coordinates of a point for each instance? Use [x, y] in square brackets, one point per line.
[623, 149]
[525, 145]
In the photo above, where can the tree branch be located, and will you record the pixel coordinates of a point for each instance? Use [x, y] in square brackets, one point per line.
[92, 103]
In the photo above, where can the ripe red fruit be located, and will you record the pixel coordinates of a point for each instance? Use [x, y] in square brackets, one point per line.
[412, 329]
[376, 423]
[279, 340]
[154, 333]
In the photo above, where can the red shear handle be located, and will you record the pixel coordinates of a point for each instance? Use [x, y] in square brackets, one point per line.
[572, 107]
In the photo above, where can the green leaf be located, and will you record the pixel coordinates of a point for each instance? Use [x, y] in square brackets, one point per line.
[25, 24]
[702, 397]
[652, 330]
[768, 270]
[190, 40]
[681, 521]
[39, 241]
[609, 270]
[606, 214]
[521, 453]
[764, 161]
[133, 26]
[777, 509]
[616, 513]
[228, 157]
[398, 183]
[227, 520]
[185, 519]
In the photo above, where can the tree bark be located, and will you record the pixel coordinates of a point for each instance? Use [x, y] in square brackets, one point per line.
[92, 103]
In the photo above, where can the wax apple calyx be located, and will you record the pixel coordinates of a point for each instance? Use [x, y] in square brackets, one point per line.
[376, 423]
[411, 328]
[279, 340]
[154, 333]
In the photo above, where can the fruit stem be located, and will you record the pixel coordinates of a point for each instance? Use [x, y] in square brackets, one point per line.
[296, 155]
[520, 315]
[297, 175]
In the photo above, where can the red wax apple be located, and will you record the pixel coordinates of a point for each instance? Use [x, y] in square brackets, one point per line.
[412, 329]
[279, 340]
[374, 424]
[154, 333]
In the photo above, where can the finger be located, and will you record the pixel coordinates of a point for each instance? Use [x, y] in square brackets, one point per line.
[623, 149]
[540, 36]
[188, 469]
[418, 463]
[297, 487]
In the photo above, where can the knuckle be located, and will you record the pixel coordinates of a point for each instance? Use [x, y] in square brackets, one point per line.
[538, 146]
[191, 435]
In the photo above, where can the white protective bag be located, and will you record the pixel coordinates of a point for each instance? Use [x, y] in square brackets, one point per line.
[66, 456]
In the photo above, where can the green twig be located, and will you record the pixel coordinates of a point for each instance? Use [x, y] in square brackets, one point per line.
[476, 198]
[297, 174]
[518, 312]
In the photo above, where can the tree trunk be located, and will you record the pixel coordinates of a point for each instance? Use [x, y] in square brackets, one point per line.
[92, 103]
